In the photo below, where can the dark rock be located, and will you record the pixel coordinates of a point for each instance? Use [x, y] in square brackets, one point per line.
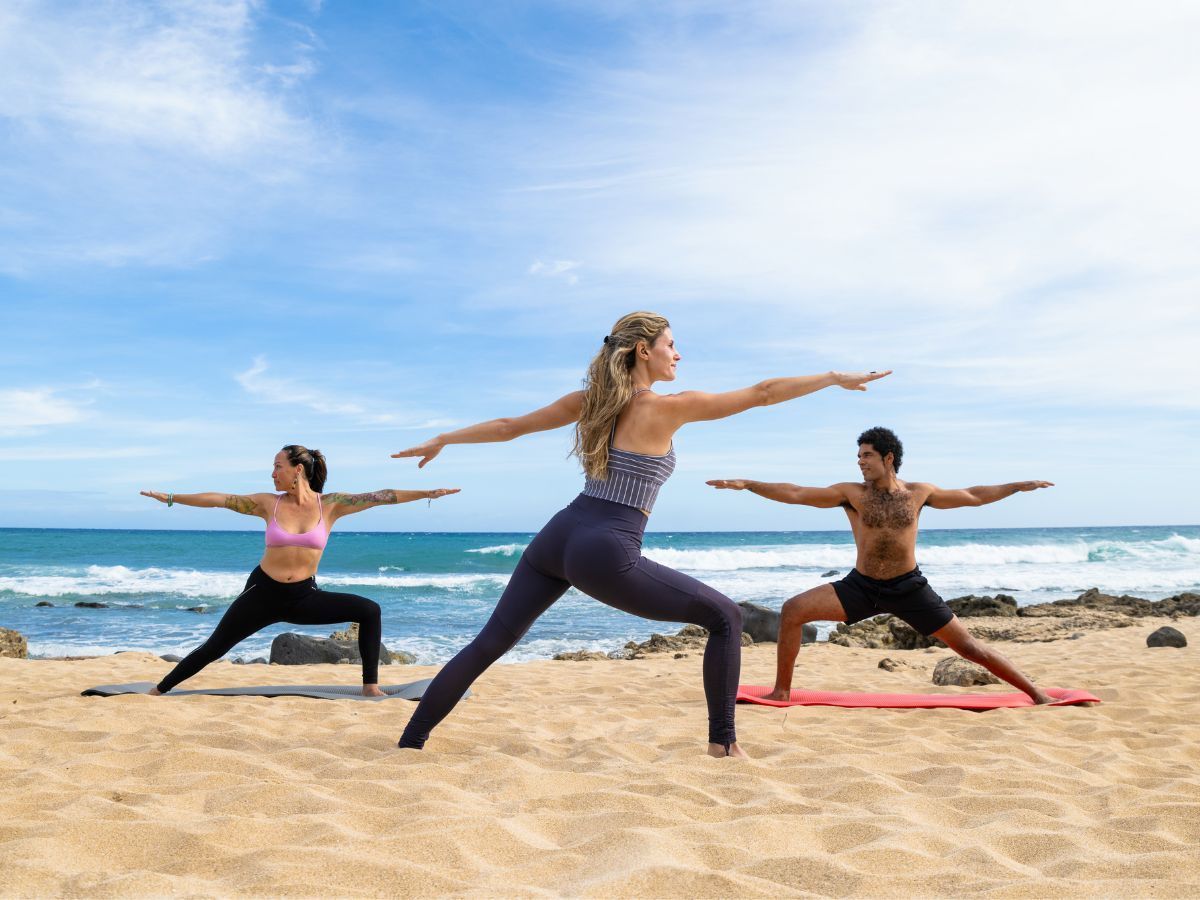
[13, 644]
[581, 655]
[1000, 605]
[91, 604]
[957, 671]
[1166, 637]
[292, 649]
[832, 573]
[1185, 604]
[171, 658]
[403, 658]
[680, 655]
[762, 625]
[891, 665]
[258, 661]
[198, 609]
[43, 603]
[240, 661]
[618, 654]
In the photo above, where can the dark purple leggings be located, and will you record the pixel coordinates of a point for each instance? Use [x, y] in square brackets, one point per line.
[266, 601]
[595, 546]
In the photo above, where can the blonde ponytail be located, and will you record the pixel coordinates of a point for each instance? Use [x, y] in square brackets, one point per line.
[609, 387]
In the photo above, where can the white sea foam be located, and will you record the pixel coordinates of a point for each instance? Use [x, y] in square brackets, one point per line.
[1177, 549]
[99, 580]
[500, 549]
[103, 580]
[448, 582]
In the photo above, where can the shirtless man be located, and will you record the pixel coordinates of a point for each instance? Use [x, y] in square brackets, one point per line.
[883, 512]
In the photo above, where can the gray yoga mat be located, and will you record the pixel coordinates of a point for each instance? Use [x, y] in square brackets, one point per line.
[411, 691]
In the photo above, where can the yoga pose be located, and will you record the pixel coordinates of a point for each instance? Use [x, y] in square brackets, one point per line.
[883, 513]
[623, 433]
[283, 586]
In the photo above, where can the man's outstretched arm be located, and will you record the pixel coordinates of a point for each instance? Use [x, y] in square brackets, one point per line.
[940, 498]
[825, 498]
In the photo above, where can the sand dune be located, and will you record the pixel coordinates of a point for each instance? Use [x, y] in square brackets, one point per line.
[565, 778]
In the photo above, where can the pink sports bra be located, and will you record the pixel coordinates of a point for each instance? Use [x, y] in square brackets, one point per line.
[311, 540]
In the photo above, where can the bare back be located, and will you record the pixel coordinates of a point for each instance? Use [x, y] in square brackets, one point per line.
[885, 527]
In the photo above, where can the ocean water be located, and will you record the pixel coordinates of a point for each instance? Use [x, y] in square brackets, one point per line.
[437, 590]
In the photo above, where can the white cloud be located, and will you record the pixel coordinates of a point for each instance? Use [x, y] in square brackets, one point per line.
[26, 410]
[962, 183]
[296, 392]
[559, 268]
[142, 132]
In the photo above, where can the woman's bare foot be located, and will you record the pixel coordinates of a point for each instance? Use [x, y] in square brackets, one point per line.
[719, 751]
[154, 692]
[1041, 698]
[372, 690]
[779, 694]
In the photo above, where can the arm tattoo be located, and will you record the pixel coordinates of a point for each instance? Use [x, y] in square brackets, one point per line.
[240, 504]
[368, 499]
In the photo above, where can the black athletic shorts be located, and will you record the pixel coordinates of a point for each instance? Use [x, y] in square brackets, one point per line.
[908, 597]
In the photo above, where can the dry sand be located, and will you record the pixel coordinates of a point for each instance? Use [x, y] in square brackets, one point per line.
[567, 778]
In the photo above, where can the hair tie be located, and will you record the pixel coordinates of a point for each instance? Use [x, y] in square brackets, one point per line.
[606, 337]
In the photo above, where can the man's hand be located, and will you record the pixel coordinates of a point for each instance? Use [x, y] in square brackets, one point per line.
[729, 484]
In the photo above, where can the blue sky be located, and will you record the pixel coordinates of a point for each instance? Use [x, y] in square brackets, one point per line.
[226, 226]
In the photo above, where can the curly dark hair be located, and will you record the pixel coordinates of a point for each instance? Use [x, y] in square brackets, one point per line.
[884, 441]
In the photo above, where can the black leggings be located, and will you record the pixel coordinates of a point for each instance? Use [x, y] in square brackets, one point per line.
[266, 601]
[596, 546]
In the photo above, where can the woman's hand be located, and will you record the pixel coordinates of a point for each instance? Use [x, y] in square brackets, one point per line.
[440, 492]
[426, 451]
[160, 496]
[857, 381]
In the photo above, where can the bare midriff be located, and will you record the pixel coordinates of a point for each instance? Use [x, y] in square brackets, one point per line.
[288, 564]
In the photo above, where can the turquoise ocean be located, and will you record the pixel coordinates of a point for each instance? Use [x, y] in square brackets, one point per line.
[437, 590]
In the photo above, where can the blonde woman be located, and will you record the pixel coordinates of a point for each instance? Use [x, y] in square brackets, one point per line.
[623, 437]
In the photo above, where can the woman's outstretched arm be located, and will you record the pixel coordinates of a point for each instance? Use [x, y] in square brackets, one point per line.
[338, 505]
[246, 504]
[562, 411]
[698, 406]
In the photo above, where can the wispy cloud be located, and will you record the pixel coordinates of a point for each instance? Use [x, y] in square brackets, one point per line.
[133, 129]
[296, 392]
[27, 410]
[559, 268]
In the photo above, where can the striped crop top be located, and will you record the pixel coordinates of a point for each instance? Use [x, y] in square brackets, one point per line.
[633, 478]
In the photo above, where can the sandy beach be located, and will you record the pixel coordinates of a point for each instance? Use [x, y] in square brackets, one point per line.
[588, 778]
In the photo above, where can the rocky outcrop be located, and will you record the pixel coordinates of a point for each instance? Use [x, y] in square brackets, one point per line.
[891, 665]
[398, 657]
[43, 603]
[403, 658]
[1166, 637]
[1186, 604]
[999, 605]
[13, 644]
[581, 655]
[762, 624]
[91, 604]
[957, 671]
[291, 649]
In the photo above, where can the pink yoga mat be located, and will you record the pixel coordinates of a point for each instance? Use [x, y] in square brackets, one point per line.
[751, 693]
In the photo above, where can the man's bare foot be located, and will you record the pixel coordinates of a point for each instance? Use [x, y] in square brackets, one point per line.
[154, 692]
[779, 694]
[372, 690]
[718, 751]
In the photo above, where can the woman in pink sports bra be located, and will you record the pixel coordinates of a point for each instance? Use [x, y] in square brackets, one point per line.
[283, 586]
